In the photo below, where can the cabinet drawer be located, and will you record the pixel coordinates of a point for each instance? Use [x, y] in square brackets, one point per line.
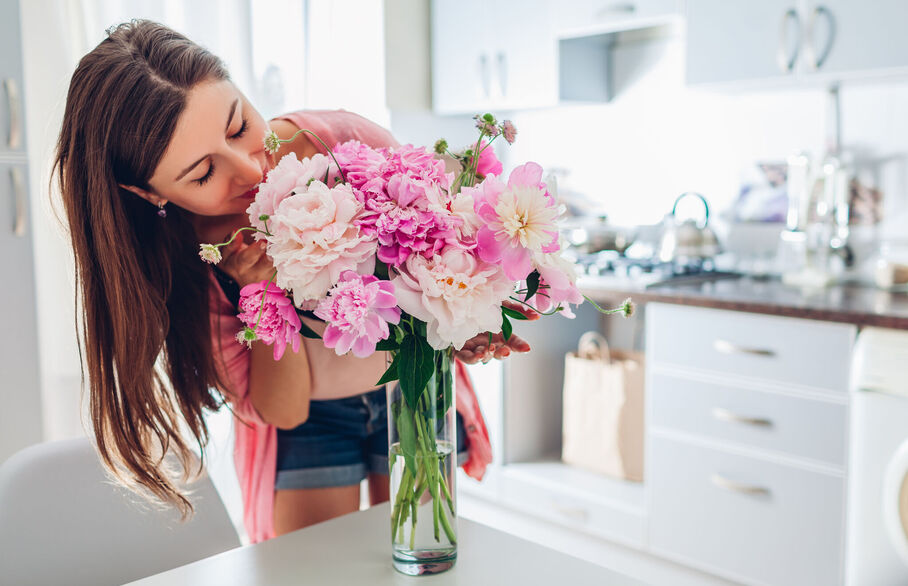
[752, 519]
[783, 349]
[800, 427]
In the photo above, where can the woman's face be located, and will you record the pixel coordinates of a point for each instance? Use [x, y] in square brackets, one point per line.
[216, 156]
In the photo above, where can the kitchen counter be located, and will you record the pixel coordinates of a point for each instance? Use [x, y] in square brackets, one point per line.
[853, 304]
[356, 549]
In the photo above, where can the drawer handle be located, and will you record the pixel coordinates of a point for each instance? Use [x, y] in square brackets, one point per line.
[726, 415]
[14, 141]
[576, 513]
[733, 486]
[20, 198]
[726, 347]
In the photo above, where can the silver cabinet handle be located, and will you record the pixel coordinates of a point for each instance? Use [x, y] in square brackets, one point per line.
[485, 75]
[786, 61]
[734, 486]
[818, 58]
[726, 415]
[502, 72]
[15, 113]
[726, 347]
[20, 217]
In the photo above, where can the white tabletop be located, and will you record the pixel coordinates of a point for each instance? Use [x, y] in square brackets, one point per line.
[356, 549]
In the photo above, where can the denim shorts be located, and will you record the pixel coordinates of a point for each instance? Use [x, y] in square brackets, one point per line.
[341, 442]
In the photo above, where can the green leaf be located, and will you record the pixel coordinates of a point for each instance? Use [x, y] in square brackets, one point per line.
[387, 345]
[416, 367]
[532, 284]
[513, 314]
[391, 374]
[505, 327]
[381, 270]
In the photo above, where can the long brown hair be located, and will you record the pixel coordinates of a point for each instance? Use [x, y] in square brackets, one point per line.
[143, 290]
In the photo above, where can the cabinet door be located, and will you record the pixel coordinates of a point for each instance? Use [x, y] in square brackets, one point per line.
[20, 417]
[736, 41]
[844, 36]
[461, 60]
[525, 74]
[12, 118]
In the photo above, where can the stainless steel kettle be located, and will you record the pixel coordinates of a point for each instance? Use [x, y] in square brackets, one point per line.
[687, 239]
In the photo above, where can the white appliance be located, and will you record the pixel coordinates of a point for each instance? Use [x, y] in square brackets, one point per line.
[878, 478]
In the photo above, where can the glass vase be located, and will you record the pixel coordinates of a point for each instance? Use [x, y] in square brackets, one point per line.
[422, 440]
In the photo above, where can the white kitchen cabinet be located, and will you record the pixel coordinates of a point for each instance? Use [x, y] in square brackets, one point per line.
[492, 56]
[747, 428]
[794, 40]
[751, 519]
[866, 37]
[734, 41]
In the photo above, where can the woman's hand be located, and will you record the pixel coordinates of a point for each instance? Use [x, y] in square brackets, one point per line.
[479, 349]
[246, 263]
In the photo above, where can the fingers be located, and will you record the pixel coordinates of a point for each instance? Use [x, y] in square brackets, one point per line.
[246, 263]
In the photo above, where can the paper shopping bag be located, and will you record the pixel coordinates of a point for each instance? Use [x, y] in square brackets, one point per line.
[603, 409]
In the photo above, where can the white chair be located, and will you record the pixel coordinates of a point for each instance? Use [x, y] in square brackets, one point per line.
[62, 521]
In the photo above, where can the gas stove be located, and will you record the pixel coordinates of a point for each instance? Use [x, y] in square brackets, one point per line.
[648, 272]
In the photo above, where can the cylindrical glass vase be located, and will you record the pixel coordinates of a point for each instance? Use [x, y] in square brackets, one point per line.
[422, 455]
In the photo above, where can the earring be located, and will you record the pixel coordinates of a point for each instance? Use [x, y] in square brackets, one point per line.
[161, 211]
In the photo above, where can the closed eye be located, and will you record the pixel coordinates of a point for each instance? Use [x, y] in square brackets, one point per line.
[242, 130]
[238, 134]
[204, 178]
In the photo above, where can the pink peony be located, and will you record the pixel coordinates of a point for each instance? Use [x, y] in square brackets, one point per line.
[278, 325]
[404, 191]
[455, 293]
[315, 238]
[288, 176]
[488, 163]
[519, 220]
[557, 285]
[358, 310]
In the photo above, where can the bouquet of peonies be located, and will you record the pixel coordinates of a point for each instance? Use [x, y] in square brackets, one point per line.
[395, 254]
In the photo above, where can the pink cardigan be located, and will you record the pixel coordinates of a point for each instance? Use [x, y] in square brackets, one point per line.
[333, 377]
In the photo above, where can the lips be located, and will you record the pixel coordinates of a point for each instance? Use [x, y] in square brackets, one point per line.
[251, 193]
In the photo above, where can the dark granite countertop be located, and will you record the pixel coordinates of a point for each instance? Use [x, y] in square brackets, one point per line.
[854, 304]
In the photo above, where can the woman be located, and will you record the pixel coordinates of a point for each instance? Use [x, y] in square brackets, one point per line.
[158, 152]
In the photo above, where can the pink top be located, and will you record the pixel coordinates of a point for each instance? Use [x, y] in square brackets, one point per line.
[333, 376]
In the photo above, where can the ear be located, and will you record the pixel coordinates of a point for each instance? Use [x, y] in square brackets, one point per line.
[144, 194]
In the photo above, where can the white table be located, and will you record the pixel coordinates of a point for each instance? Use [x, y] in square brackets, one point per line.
[355, 549]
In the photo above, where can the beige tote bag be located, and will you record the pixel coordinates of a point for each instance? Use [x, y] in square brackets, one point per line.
[603, 409]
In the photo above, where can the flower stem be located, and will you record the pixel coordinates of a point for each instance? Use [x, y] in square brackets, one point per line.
[319, 139]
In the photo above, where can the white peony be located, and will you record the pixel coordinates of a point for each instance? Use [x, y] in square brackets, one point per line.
[455, 293]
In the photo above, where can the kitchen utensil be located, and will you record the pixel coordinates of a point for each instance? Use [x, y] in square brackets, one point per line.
[592, 235]
[688, 239]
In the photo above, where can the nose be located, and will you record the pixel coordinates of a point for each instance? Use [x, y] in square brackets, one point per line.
[248, 167]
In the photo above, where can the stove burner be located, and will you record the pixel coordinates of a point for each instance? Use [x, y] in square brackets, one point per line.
[651, 272]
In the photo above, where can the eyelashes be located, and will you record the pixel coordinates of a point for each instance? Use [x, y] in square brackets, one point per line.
[238, 134]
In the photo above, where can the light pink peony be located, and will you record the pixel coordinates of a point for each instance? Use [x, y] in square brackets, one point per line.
[315, 238]
[278, 325]
[557, 284]
[289, 175]
[455, 293]
[358, 310]
[519, 220]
